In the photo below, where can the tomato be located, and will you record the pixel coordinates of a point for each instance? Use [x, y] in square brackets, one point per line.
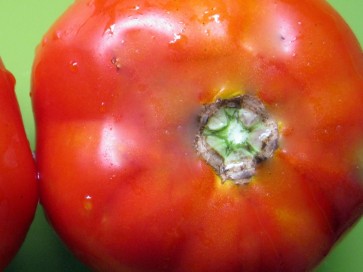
[18, 188]
[211, 135]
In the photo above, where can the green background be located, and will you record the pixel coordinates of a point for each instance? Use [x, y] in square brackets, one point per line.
[22, 24]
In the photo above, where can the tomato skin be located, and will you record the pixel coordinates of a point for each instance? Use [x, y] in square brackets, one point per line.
[18, 188]
[117, 88]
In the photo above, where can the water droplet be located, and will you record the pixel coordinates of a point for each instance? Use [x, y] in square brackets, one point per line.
[73, 66]
[88, 203]
[57, 35]
[113, 177]
[102, 107]
[45, 41]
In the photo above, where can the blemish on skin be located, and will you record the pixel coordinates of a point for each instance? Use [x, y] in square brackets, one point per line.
[116, 62]
[9, 158]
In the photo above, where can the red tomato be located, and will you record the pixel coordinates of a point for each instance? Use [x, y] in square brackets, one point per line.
[211, 135]
[18, 188]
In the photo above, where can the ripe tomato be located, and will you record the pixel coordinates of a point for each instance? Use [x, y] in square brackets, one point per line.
[18, 188]
[211, 135]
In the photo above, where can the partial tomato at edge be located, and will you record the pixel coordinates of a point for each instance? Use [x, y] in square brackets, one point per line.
[124, 90]
[18, 187]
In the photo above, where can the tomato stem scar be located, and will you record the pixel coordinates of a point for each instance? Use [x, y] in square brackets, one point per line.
[235, 135]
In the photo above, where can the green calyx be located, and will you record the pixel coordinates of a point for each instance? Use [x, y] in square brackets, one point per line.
[227, 134]
[236, 134]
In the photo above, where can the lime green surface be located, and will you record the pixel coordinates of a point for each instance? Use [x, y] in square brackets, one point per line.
[22, 24]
